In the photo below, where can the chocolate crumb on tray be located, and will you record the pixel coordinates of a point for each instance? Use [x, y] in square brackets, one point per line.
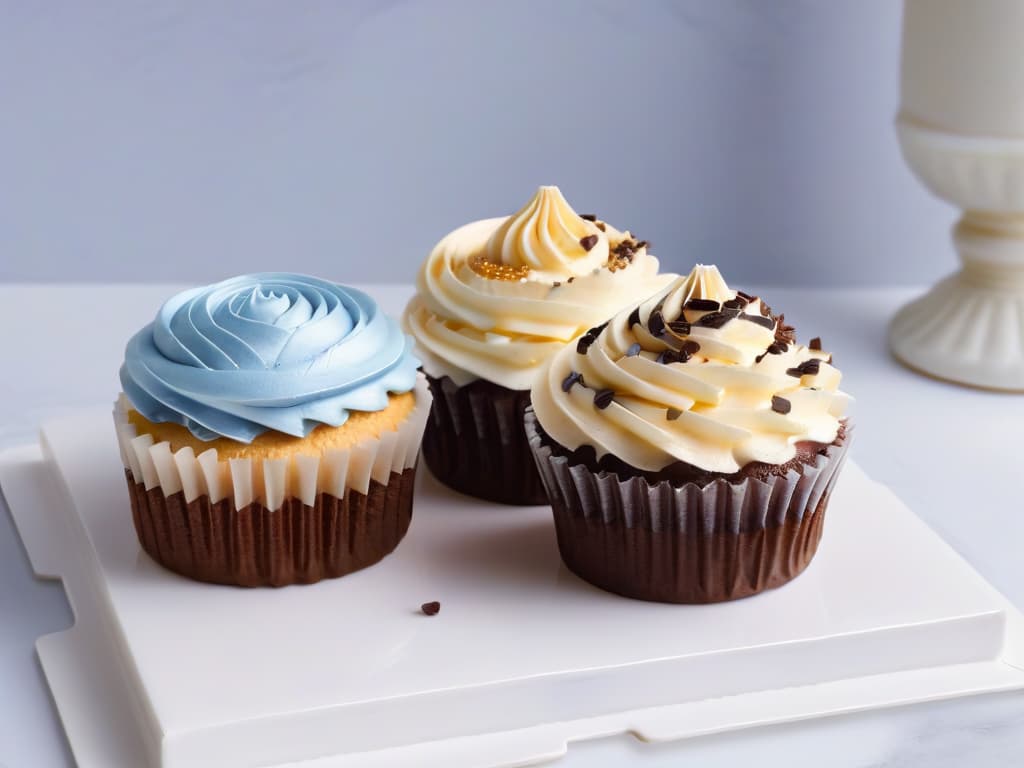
[431, 609]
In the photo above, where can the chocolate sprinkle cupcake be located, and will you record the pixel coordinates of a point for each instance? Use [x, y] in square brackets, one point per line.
[701, 470]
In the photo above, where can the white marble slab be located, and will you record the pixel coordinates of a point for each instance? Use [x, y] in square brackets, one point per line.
[949, 429]
[525, 658]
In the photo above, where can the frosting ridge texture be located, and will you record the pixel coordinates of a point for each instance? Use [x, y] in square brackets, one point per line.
[267, 351]
[497, 297]
[698, 374]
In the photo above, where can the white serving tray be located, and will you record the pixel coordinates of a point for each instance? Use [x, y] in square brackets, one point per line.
[523, 658]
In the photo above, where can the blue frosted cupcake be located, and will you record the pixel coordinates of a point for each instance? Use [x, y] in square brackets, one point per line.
[269, 428]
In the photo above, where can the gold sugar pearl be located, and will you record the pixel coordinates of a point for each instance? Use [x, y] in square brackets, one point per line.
[496, 271]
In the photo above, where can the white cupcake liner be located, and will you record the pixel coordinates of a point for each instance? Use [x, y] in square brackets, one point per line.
[270, 482]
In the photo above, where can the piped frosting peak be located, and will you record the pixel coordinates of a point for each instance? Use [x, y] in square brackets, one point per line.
[703, 282]
[548, 237]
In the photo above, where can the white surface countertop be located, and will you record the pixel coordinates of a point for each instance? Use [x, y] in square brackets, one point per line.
[951, 454]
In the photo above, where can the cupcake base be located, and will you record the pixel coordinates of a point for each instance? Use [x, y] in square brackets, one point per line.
[686, 544]
[716, 567]
[256, 547]
[475, 443]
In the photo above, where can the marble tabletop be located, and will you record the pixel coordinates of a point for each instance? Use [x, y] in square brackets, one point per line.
[952, 454]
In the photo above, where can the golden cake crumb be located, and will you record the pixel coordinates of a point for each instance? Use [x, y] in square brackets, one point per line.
[361, 425]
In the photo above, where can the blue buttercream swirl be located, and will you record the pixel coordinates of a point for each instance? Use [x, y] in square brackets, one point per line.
[267, 351]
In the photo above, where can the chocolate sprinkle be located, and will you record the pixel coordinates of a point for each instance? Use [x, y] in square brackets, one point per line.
[760, 357]
[776, 349]
[702, 305]
[588, 242]
[815, 343]
[584, 343]
[673, 413]
[624, 250]
[431, 609]
[679, 327]
[588, 216]
[781, 404]
[811, 366]
[745, 296]
[784, 333]
[642, 244]
[634, 350]
[737, 303]
[691, 347]
[808, 367]
[656, 323]
[764, 322]
[715, 319]
[556, 284]
[575, 377]
[634, 317]
[603, 398]
[600, 225]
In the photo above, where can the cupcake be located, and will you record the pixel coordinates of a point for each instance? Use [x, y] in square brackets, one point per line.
[495, 300]
[689, 446]
[269, 427]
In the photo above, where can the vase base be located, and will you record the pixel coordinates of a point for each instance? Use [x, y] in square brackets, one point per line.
[964, 333]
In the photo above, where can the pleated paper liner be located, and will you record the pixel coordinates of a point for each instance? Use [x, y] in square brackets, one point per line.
[686, 544]
[475, 442]
[272, 522]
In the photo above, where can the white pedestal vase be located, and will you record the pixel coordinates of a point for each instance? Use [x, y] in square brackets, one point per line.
[961, 128]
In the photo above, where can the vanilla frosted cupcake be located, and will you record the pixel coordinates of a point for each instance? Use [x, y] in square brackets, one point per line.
[495, 300]
[689, 446]
[269, 429]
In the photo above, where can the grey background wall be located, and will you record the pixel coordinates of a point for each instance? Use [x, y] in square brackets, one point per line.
[187, 141]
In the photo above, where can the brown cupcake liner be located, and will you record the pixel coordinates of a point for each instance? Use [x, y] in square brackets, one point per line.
[272, 522]
[686, 544]
[475, 442]
[254, 546]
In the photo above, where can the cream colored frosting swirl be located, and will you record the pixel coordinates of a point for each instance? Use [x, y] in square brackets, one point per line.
[496, 298]
[697, 373]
